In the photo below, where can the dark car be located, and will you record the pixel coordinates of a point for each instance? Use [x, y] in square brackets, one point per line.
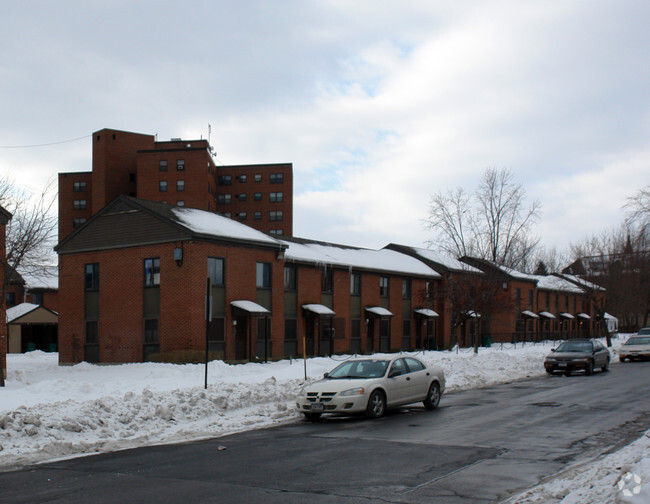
[578, 355]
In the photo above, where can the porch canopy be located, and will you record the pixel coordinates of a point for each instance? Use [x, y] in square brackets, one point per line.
[584, 316]
[378, 311]
[566, 315]
[426, 312]
[250, 307]
[319, 310]
[546, 314]
[530, 314]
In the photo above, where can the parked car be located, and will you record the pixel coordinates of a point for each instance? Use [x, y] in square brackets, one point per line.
[636, 347]
[371, 385]
[578, 355]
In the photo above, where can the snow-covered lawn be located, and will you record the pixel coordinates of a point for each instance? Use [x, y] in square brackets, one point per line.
[49, 411]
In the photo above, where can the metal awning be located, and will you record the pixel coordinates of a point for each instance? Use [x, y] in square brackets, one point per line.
[379, 311]
[546, 314]
[250, 307]
[319, 309]
[527, 313]
[583, 315]
[426, 312]
[473, 314]
[566, 315]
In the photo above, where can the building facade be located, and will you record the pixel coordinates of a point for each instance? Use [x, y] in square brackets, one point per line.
[5, 217]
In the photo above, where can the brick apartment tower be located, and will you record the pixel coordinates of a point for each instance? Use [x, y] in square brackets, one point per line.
[180, 172]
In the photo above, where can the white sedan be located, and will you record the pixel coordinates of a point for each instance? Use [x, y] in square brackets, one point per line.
[371, 385]
[636, 347]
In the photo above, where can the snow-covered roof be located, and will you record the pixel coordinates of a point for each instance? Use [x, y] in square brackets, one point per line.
[318, 309]
[249, 306]
[201, 221]
[426, 312]
[19, 310]
[445, 260]
[379, 310]
[554, 283]
[338, 255]
[581, 281]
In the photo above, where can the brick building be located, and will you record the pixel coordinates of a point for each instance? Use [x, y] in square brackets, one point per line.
[180, 172]
[4, 220]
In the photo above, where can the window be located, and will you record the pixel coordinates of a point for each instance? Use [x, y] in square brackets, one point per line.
[355, 284]
[215, 270]
[276, 197]
[162, 165]
[276, 215]
[152, 271]
[224, 199]
[37, 298]
[78, 222]
[530, 299]
[414, 365]
[406, 288]
[276, 178]
[79, 204]
[11, 299]
[327, 280]
[162, 186]
[242, 215]
[180, 164]
[258, 177]
[263, 277]
[257, 215]
[275, 231]
[257, 196]
[383, 286]
[180, 203]
[92, 276]
[290, 278]
[242, 179]
[241, 196]
[180, 185]
[79, 186]
[151, 331]
[225, 180]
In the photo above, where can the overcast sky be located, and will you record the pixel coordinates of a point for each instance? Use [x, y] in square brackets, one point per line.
[377, 104]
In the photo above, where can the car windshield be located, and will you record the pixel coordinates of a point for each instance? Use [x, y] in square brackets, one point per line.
[360, 369]
[636, 340]
[575, 346]
[644, 331]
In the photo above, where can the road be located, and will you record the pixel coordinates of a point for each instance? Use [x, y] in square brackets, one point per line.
[479, 446]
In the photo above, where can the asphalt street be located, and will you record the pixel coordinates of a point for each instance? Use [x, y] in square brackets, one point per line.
[479, 446]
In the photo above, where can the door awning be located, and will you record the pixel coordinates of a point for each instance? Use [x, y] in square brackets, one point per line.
[527, 313]
[584, 315]
[319, 309]
[566, 316]
[250, 307]
[379, 311]
[546, 314]
[426, 312]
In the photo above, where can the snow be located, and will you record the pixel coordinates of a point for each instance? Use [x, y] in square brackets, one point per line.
[445, 260]
[19, 310]
[49, 411]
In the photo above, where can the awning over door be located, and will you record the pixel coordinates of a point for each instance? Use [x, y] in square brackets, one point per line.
[319, 309]
[250, 307]
[546, 314]
[527, 313]
[584, 316]
[379, 311]
[426, 312]
[566, 316]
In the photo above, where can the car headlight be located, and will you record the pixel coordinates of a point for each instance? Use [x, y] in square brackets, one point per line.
[354, 391]
[302, 392]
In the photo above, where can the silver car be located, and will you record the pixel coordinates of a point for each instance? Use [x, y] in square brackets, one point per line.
[371, 385]
[636, 347]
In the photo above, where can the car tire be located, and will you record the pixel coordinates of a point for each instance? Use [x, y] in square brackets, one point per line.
[312, 417]
[433, 396]
[605, 367]
[549, 371]
[376, 405]
[622, 359]
[589, 370]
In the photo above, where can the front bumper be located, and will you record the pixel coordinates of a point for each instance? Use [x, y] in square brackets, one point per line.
[572, 365]
[634, 355]
[341, 405]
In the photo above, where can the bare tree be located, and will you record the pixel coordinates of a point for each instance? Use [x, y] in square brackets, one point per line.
[495, 224]
[31, 233]
[638, 207]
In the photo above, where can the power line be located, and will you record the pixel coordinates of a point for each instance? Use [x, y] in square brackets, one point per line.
[43, 145]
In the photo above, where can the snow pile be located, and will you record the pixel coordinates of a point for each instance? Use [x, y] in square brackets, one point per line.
[49, 411]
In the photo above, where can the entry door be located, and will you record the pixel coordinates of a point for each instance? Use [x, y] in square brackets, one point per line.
[241, 335]
[309, 335]
[325, 346]
[371, 335]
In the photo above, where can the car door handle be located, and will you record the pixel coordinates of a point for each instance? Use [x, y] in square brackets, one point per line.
[408, 378]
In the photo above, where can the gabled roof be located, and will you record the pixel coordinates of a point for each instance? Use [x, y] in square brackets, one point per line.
[29, 312]
[128, 221]
[441, 262]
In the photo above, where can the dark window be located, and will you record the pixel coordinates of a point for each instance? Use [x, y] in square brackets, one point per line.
[258, 177]
[162, 165]
[414, 365]
[79, 204]
[37, 298]
[180, 164]
[242, 215]
[241, 197]
[180, 185]
[162, 186]
[355, 284]
[276, 215]
[263, 277]
[79, 186]
[327, 280]
[92, 276]
[216, 332]
[151, 331]
[290, 283]
[257, 196]
[530, 299]
[78, 222]
[92, 334]
[257, 215]
[383, 286]
[275, 231]
[276, 197]
[242, 179]
[224, 199]
[216, 270]
[406, 288]
[225, 180]
[152, 271]
[11, 299]
[276, 178]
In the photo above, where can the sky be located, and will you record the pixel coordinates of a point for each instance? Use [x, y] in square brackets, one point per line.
[379, 105]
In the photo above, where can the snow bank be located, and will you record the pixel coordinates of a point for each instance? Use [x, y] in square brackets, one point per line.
[49, 411]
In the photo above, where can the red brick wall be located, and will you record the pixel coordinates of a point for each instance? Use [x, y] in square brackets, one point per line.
[67, 196]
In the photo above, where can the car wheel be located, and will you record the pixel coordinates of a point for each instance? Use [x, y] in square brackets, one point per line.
[589, 370]
[376, 405]
[312, 417]
[549, 371]
[433, 397]
[605, 367]
[621, 358]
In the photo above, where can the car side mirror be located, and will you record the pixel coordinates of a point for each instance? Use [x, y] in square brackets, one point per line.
[394, 373]
[552, 349]
[326, 375]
